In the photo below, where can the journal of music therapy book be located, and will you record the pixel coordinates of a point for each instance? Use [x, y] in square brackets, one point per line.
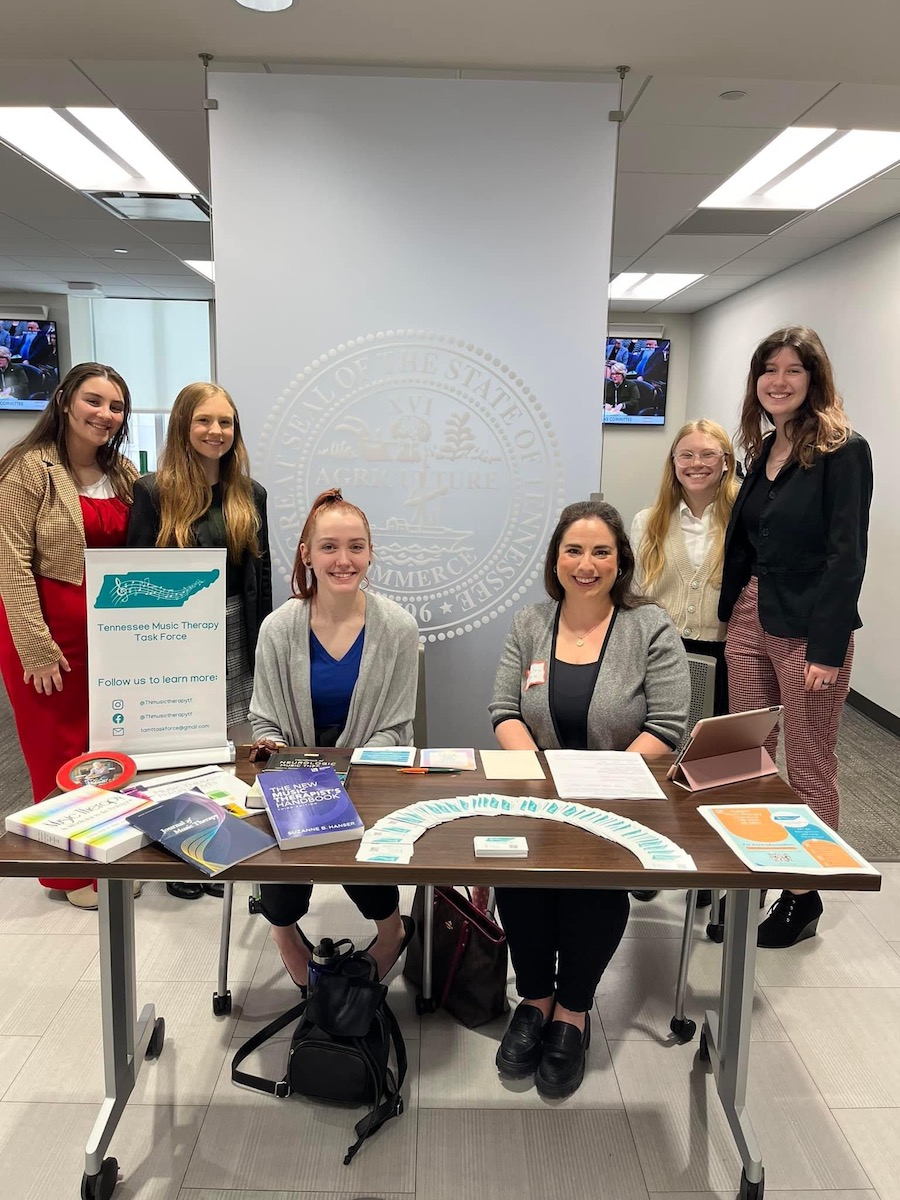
[201, 832]
[90, 821]
[308, 806]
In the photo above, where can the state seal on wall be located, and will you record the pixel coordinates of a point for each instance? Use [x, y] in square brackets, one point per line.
[446, 449]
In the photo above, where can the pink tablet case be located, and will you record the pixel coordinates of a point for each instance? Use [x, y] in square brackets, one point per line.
[727, 750]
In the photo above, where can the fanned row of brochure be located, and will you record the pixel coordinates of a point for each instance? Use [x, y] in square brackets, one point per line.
[392, 839]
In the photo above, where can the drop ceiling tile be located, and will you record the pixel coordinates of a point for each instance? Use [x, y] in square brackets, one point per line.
[189, 293]
[781, 251]
[705, 254]
[201, 250]
[857, 106]
[35, 82]
[186, 279]
[648, 206]
[137, 264]
[131, 291]
[182, 138]
[723, 281]
[881, 197]
[831, 222]
[689, 149]
[31, 281]
[157, 85]
[686, 100]
[167, 232]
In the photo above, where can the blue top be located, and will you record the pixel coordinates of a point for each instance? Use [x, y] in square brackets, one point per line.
[331, 682]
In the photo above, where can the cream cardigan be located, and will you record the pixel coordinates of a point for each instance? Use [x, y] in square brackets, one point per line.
[687, 594]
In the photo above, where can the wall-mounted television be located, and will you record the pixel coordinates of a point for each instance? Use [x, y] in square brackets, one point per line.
[637, 377]
[29, 364]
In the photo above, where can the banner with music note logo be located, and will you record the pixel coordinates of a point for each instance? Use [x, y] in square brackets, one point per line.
[156, 654]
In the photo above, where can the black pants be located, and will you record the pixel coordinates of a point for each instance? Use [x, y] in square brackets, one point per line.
[287, 903]
[714, 650]
[562, 939]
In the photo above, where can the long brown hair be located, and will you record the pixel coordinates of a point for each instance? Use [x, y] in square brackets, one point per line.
[621, 592]
[651, 552]
[303, 581]
[52, 426]
[185, 493]
[820, 425]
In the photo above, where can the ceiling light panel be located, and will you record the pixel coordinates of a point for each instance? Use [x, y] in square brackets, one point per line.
[152, 170]
[49, 140]
[744, 188]
[661, 286]
[624, 282]
[847, 162]
[639, 285]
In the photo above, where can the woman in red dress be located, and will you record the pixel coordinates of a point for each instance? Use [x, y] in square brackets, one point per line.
[65, 486]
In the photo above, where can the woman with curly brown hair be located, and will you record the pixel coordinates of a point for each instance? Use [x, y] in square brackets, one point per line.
[795, 556]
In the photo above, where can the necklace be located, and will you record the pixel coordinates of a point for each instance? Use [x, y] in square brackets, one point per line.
[579, 641]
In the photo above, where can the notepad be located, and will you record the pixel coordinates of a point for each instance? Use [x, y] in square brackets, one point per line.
[511, 764]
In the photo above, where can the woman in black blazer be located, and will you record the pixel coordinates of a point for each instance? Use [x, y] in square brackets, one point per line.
[795, 556]
[203, 495]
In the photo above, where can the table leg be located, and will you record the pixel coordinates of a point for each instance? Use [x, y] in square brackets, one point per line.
[683, 1027]
[726, 1035]
[222, 995]
[427, 942]
[125, 1041]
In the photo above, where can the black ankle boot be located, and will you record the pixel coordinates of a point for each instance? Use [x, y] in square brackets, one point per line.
[715, 930]
[791, 919]
[563, 1060]
[520, 1050]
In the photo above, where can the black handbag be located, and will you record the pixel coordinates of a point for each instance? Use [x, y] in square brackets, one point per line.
[340, 1051]
[469, 958]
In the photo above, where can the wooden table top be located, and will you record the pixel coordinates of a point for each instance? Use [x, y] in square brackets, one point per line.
[558, 855]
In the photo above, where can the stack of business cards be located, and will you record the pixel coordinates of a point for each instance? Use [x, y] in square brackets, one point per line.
[392, 838]
[448, 760]
[501, 847]
[383, 756]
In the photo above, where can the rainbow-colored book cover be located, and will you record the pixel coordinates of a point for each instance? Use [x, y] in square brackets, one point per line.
[89, 821]
[201, 832]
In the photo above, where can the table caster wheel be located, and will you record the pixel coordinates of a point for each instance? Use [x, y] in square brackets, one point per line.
[157, 1039]
[221, 1004]
[752, 1191]
[715, 932]
[102, 1185]
[254, 906]
[703, 1049]
[424, 1007]
[684, 1029]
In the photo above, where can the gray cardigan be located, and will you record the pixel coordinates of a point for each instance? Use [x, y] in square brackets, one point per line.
[383, 702]
[643, 685]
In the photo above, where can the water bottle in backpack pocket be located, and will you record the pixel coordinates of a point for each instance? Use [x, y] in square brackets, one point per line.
[341, 1047]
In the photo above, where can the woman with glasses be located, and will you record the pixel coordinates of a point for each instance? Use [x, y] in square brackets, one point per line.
[679, 542]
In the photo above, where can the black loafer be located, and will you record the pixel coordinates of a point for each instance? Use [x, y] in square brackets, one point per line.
[563, 1059]
[214, 889]
[185, 891]
[644, 895]
[704, 898]
[520, 1050]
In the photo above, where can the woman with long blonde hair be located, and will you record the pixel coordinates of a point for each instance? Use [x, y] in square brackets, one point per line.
[679, 543]
[202, 495]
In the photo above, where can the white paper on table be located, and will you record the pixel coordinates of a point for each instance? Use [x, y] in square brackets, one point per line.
[602, 775]
[511, 764]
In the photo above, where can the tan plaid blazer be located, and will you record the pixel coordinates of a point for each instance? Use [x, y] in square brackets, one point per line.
[41, 533]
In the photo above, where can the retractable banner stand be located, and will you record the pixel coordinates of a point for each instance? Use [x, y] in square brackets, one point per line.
[156, 655]
[411, 282]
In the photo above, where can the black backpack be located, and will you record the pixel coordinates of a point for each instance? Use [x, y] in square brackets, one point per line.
[340, 1051]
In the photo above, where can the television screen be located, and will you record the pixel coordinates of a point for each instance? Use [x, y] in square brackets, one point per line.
[637, 375]
[29, 365]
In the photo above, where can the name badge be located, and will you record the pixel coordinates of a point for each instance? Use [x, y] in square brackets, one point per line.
[536, 673]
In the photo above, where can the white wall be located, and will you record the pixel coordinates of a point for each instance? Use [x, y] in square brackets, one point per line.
[14, 425]
[850, 295]
[633, 455]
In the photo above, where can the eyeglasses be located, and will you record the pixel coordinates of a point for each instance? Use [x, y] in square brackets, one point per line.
[709, 458]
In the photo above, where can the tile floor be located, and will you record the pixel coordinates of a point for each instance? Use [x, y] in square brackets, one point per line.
[824, 1088]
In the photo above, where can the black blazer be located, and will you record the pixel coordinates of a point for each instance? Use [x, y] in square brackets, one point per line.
[812, 549]
[143, 530]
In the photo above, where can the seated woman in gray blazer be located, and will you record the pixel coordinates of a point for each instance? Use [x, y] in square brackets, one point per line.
[336, 665]
[594, 668]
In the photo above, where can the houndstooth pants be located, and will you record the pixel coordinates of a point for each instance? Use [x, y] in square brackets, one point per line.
[765, 670]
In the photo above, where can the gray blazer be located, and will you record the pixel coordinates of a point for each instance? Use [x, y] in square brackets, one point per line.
[383, 703]
[643, 685]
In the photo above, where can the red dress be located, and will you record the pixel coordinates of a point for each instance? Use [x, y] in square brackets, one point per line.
[52, 729]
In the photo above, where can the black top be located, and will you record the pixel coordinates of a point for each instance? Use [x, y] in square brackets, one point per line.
[210, 531]
[253, 575]
[811, 551]
[751, 512]
[572, 687]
